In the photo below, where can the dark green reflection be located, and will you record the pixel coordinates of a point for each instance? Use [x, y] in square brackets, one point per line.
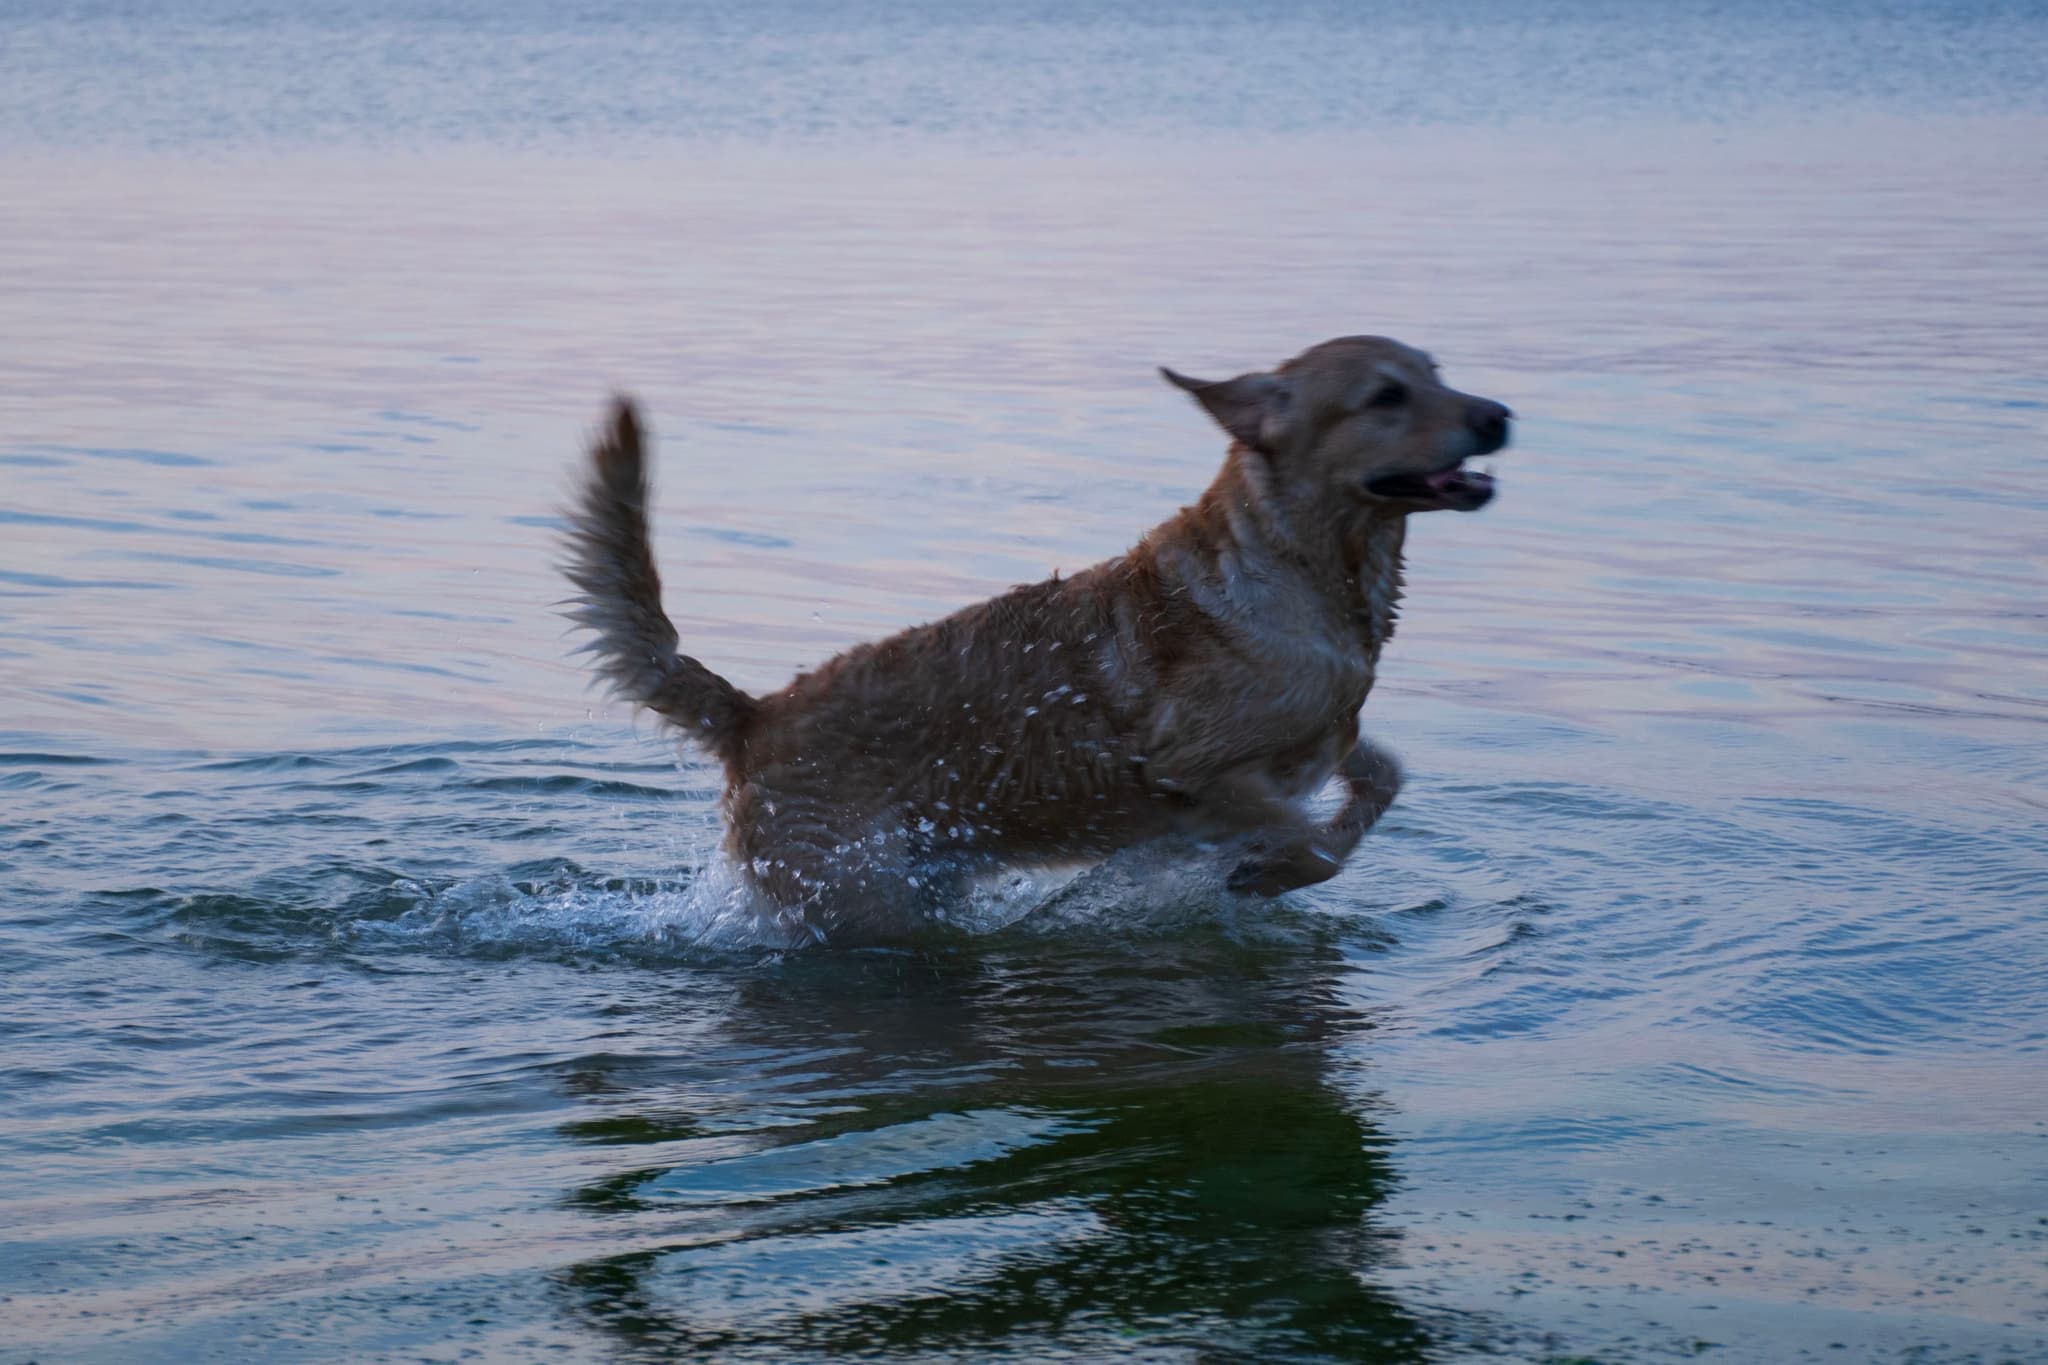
[1037, 1150]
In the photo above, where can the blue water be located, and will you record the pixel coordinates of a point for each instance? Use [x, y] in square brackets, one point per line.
[366, 988]
[226, 73]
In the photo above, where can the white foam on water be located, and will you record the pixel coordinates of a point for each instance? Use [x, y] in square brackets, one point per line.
[707, 910]
[710, 909]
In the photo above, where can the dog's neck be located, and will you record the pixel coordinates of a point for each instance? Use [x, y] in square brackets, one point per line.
[1372, 567]
[1352, 562]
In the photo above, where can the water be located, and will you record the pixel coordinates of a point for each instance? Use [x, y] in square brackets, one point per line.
[366, 993]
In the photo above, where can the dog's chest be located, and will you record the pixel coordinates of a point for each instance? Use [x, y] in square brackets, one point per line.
[1315, 663]
[1322, 653]
[1329, 668]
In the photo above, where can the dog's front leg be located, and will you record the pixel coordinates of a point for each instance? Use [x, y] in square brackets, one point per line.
[1297, 858]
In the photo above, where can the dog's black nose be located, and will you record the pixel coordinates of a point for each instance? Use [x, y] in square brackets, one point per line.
[1489, 422]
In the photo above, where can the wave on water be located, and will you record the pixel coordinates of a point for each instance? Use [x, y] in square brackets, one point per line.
[609, 859]
[710, 911]
[562, 910]
[574, 914]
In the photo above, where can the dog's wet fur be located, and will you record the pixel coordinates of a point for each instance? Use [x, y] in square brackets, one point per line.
[1206, 683]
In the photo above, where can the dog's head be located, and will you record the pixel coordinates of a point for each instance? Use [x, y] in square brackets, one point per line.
[1363, 418]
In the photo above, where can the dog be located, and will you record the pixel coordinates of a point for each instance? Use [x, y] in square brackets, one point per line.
[1206, 683]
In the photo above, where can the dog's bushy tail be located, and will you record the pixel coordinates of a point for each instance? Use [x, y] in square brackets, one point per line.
[618, 598]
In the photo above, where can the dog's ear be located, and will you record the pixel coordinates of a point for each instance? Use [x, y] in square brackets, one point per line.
[1251, 407]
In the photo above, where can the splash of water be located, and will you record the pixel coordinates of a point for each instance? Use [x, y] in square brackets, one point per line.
[709, 910]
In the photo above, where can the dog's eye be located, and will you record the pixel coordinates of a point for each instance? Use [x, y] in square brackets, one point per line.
[1392, 396]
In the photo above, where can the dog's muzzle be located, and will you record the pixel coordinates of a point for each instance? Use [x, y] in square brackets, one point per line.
[1457, 488]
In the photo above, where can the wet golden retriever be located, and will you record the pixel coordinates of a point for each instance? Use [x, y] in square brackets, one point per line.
[1206, 683]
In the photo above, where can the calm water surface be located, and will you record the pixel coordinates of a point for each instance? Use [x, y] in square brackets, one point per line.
[360, 993]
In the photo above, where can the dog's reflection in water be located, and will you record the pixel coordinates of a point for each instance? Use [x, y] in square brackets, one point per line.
[1093, 1143]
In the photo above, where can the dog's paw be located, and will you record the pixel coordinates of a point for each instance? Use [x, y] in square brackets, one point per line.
[1372, 773]
[1286, 871]
[1253, 878]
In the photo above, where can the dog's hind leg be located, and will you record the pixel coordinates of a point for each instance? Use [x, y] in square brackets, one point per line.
[833, 887]
[1372, 780]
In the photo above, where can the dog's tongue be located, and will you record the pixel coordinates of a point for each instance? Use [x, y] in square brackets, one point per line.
[1458, 478]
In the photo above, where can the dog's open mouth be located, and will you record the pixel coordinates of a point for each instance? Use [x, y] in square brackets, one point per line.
[1457, 488]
